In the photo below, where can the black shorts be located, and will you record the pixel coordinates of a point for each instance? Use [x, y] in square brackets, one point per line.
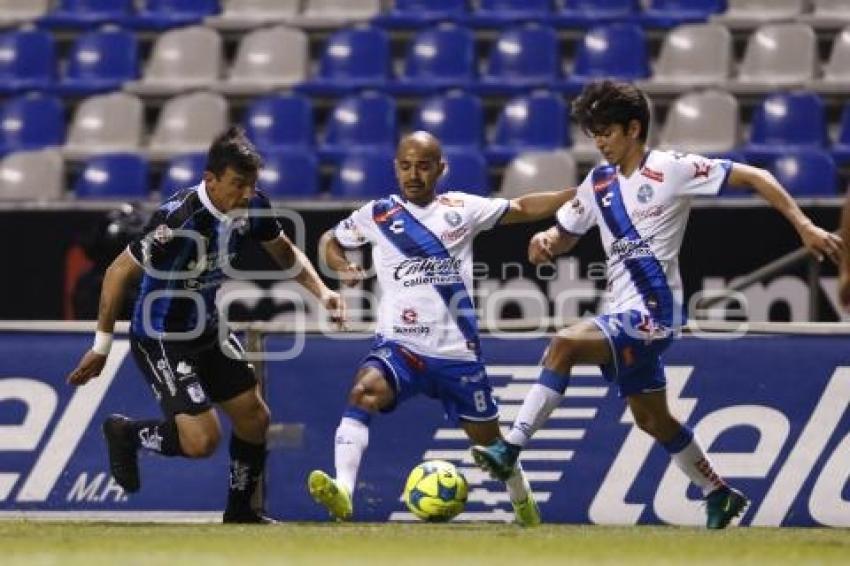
[187, 377]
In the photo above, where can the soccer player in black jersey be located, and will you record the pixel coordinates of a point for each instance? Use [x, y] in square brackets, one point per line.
[190, 362]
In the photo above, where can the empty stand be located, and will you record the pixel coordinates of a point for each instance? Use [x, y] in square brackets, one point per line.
[280, 121]
[268, 59]
[106, 123]
[466, 171]
[32, 175]
[365, 121]
[539, 171]
[188, 124]
[31, 121]
[365, 175]
[114, 175]
[456, 118]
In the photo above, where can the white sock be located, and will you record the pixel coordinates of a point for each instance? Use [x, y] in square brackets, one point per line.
[692, 460]
[352, 439]
[535, 410]
[518, 487]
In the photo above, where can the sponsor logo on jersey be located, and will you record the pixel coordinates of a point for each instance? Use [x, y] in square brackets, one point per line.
[577, 207]
[428, 271]
[454, 235]
[409, 316]
[645, 193]
[449, 201]
[701, 169]
[384, 216]
[603, 184]
[652, 174]
[649, 212]
[627, 248]
[196, 393]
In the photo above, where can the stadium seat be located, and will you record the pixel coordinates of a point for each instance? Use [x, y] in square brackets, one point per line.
[290, 173]
[336, 13]
[615, 51]
[30, 175]
[437, 58]
[247, 14]
[86, 14]
[411, 14]
[365, 121]
[466, 171]
[31, 121]
[183, 59]
[522, 58]
[188, 123]
[703, 122]
[670, 13]
[352, 59]
[692, 55]
[183, 171]
[587, 13]
[106, 123]
[28, 61]
[100, 61]
[456, 118]
[777, 56]
[752, 13]
[280, 121]
[365, 175]
[16, 12]
[836, 72]
[268, 59]
[786, 122]
[113, 175]
[806, 173]
[165, 14]
[827, 14]
[539, 171]
[499, 13]
[527, 123]
[841, 149]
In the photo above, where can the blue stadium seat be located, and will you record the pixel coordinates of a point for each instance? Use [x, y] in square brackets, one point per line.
[786, 122]
[466, 171]
[165, 14]
[587, 13]
[352, 59]
[365, 175]
[614, 51]
[31, 121]
[522, 58]
[671, 13]
[437, 58]
[86, 14]
[114, 175]
[183, 171]
[280, 120]
[100, 61]
[290, 173]
[527, 123]
[456, 118]
[28, 61]
[841, 149]
[499, 13]
[412, 14]
[806, 173]
[365, 121]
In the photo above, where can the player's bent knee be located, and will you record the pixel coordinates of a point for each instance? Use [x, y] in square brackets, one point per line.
[200, 444]
[561, 354]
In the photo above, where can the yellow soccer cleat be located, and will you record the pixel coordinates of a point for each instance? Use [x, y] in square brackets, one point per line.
[325, 491]
[527, 513]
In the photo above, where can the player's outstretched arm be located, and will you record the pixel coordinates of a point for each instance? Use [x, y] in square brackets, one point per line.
[288, 256]
[332, 254]
[818, 241]
[121, 273]
[844, 265]
[545, 246]
[536, 206]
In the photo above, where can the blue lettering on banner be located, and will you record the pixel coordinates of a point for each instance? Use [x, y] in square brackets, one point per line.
[773, 413]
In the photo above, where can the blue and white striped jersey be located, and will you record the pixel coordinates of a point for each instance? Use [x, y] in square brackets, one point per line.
[183, 249]
[642, 220]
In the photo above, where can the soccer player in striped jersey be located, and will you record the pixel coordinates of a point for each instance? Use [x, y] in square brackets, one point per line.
[181, 260]
[427, 331]
[640, 200]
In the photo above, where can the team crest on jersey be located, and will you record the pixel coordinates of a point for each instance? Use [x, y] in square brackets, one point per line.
[453, 218]
[645, 193]
[652, 174]
[702, 169]
[163, 234]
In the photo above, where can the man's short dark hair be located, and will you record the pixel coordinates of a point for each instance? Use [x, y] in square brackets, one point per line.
[233, 149]
[606, 103]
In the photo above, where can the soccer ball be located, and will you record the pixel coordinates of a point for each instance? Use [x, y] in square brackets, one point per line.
[435, 491]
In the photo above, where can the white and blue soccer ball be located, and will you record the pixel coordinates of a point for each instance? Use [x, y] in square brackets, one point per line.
[435, 491]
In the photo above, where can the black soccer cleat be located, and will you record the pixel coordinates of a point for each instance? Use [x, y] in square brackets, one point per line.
[123, 458]
[247, 517]
[722, 505]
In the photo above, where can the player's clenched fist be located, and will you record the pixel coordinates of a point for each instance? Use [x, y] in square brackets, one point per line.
[89, 367]
[540, 249]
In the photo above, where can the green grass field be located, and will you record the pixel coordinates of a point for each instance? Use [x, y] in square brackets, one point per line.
[68, 544]
[32, 543]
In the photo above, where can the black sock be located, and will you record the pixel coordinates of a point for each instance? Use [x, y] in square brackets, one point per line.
[247, 461]
[157, 436]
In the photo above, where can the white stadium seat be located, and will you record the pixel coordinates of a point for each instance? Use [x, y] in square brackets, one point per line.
[188, 124]
[268, 59]
[32, 175]
[106, 123]
[702, 122]
[536, 171]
